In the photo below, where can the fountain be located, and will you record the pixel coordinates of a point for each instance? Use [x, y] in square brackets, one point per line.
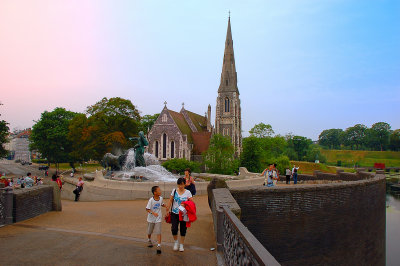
[135, 165]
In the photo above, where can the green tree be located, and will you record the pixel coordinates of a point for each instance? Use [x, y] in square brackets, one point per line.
[219, 158]
[49, 135]
[147, 122]
[314, 153]
[395, 140]
[4, 131]
[252, 154]
[107, 128]
[379, 136]
[330, 138]
[355, 136]
[261, 130]
[179, 165]
[299, 145]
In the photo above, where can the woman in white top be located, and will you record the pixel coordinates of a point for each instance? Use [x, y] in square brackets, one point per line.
[178, 195]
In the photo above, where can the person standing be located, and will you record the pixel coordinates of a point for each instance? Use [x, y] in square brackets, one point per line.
[178, 195]
[276, 174]
[295, 175]
[189, 182]
[154, 217]
[288, 174]
[269, 175]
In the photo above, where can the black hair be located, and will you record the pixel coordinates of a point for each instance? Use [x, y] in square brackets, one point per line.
[28, 174]
[54, 177]
[181, 180]
[274, 164]
[153, 189]
[188, 169]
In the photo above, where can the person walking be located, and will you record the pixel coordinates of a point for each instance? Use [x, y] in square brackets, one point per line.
[189, 182]
[178, 195]
[288, 174]
[154, 217]
[78, 189]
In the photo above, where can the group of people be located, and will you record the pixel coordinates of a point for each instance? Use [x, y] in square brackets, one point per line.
[180, 211]
[21, 182]
[271, 175]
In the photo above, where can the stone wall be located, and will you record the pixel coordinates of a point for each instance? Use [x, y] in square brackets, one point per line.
[31, 202]
[337, 223]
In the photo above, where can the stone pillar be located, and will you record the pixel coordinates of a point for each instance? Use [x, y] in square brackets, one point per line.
[56, 197]
[8, 205]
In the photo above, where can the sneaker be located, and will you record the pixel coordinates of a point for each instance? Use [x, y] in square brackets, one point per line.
[158, 249]
[176, 245]
[181, 249]
[150, 244]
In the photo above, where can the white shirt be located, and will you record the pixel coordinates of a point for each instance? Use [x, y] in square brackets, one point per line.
[178, 199]
[154, 206]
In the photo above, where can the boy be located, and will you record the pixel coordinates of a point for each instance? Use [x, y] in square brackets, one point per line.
[154, 217]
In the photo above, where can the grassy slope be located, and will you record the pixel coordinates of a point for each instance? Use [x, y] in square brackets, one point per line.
[309, 168]
[363, 158]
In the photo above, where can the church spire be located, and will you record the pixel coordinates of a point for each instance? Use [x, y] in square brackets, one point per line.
[228, 74]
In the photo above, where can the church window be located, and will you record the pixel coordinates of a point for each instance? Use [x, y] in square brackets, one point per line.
[172, 149]
[164, 152]
[156, 150]
[227, 108]
[164, 118]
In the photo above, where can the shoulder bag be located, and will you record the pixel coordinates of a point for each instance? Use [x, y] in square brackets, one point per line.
[168, 215]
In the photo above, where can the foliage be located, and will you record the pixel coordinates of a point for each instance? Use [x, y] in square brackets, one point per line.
[314, 153]
[219, 158]
[330, 138]
[179, 165]
[147, 122]
[252, 154]
[107, 128]
[379, 136]
[395, 140]
[261, 130]
[4, 131]
[49, 135]
[355, 136]
[299, 145]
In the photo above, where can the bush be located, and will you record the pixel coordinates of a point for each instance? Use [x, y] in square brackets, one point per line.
[39, 161]
[282, 163]
[179, 165]
[339, 163]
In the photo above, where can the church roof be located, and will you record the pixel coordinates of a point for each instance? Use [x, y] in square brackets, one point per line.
[182, 124]
[200, 122]
[201, 141]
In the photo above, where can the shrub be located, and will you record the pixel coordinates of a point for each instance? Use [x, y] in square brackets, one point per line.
[179, 165]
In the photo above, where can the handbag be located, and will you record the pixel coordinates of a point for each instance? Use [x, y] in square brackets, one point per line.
[192, 189]
[168, 215]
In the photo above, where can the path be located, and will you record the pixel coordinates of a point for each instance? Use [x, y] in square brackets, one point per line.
[103, 233]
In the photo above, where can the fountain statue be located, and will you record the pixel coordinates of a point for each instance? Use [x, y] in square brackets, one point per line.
[139, 149]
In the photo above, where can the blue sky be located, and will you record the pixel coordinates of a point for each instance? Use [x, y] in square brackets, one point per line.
[303, 66]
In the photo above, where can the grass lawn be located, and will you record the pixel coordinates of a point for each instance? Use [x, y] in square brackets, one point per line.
[309, 168]
[85, 168]
[362, 158]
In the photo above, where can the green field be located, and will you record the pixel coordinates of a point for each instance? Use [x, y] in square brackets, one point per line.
[362, 158]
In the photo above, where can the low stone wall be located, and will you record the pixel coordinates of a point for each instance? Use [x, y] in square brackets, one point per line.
[338, 223]
[20, 204]
[31, 202]
[235, 242]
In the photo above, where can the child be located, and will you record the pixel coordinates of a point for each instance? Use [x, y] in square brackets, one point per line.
[154, 217]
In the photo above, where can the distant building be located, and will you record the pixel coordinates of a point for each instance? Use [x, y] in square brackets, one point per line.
[18, 146]
[180, 135]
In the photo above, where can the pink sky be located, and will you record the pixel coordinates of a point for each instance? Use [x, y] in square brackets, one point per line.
[48, 56]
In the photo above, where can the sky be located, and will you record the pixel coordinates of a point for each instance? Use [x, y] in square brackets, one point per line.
[302, 66]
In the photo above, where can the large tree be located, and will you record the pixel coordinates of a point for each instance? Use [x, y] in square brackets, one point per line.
[261, 130]
[330, 138]
[252, 154]
[108, 127]
[49, 135]
[355, 137]
[219, 158]
[4, 131]
[147, 122]
[379, 136]
[395, 140]
[299, 145]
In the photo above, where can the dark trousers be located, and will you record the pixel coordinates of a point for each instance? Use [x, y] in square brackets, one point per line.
[287, 179]
[295, 178]
[174, 225]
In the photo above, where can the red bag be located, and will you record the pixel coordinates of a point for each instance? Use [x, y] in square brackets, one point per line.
[168, 215]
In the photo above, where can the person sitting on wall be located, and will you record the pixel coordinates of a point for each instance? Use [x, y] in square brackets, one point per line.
[28, 181]
[78, 189]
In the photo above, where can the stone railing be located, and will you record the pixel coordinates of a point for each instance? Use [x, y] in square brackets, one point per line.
[236, 243]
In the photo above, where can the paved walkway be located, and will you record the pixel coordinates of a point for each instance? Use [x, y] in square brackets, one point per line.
[103, 233]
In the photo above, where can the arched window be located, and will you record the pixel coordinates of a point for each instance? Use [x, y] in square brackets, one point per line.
[156, 149]
[172, 149]
[164, 148]
[227, 105]
[164, 118]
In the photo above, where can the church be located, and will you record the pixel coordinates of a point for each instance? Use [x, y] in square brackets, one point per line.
[185, 134]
